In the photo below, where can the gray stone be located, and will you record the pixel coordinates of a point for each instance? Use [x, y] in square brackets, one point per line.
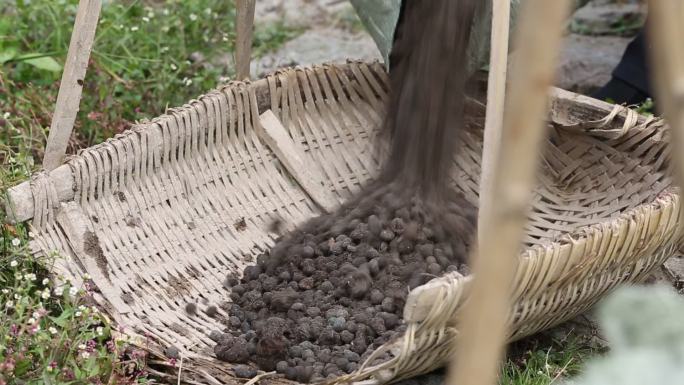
[317, 46]
[586, 62]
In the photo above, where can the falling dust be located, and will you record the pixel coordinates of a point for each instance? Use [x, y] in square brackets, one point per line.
[333, 290]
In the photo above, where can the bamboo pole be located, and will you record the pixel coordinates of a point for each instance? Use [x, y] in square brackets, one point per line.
[243, 46]
[666, 32]
[71, 85]
[496, 92]
[483, 329]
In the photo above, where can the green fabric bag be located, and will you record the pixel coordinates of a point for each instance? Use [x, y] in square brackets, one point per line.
[380, 18]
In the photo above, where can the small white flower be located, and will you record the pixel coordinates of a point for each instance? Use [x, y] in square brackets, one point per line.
[134, 28]
[164, 49]
[146, 19]
[165, 11]
[52, 330]
[32, 321]
[6, 115]
[85, 354]
[81, 308]
[86, 276]
[46, 294]
[14, 263]
[99, 330]
[193, 17]
[150, 14]
[173, 67]
[16, 242]
[36, 315]
[5, 291]
[46, 281]
[59, 291]
[207, 11]
[49, 369]
[188, 82]
[78, 314]
[9, 304]
[36, 328]
[82, 346]
[73, 291]
[30, 277]
[17, 297]
[94, 309]
[31, 234]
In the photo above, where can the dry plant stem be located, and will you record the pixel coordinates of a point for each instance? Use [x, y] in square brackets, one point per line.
[243, 47]
[667, 58]
[483, 329]
[496, 94]
[71, 86]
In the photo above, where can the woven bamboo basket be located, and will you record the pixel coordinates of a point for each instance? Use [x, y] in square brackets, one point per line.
[159, 214]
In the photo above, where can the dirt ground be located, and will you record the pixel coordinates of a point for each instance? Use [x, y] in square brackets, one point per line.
[333, 33]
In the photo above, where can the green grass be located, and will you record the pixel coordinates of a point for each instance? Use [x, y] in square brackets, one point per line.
[147, 56]
[545, 361]
[646, 108]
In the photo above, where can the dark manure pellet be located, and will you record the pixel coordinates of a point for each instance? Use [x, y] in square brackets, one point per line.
[211, 311]
[282, 366]
[215, 335]
[244, 371]
[191, 308]
[232, 350]
[172, 352]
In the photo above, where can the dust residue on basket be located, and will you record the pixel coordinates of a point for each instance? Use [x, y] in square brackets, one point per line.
[91, 246]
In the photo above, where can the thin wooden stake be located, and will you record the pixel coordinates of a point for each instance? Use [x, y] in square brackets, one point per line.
[496, 94]
[667, 59]
[243, 46]
[71, 86]
[484, 327]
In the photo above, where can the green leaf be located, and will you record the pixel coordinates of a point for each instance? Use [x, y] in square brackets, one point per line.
[22, 367]
[63, 318]
[78, 373]
[7, 54]
[92, 367]
[44, 63]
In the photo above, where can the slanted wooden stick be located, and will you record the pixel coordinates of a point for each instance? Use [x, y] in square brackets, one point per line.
[243, 45]
[496, 93]
[71, 86]
[667, 58]
[484, 327]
